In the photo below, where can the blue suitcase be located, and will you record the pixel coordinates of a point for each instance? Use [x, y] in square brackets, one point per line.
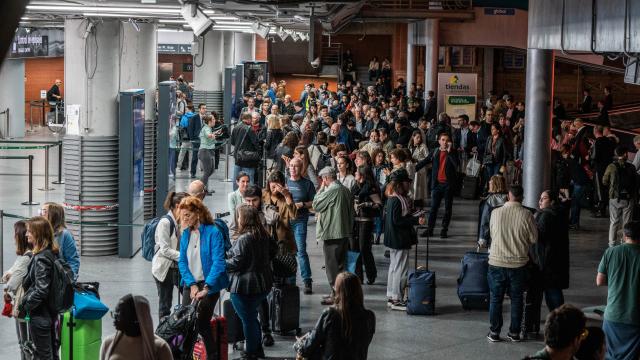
[473, 286]
[422, 287]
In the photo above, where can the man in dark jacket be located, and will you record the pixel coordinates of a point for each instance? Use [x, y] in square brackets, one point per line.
[193, 131]
[601, 156]
[443, 178]
[244, 139]
[431, 106]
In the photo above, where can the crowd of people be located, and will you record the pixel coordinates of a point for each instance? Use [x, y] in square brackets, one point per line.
[363, 163]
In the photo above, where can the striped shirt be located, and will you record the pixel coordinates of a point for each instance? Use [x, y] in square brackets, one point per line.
[513, 230]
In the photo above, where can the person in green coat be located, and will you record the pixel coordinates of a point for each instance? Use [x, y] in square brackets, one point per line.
[334, 208]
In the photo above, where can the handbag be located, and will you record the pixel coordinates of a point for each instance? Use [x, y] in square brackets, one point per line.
[473, 166]
[247, 155]
[86, 306]
[284, 264]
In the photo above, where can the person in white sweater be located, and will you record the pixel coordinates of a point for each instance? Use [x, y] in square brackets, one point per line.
[14, 276]
[134, 337]
[164, 265]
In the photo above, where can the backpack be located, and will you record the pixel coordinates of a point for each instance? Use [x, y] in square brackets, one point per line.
[148, 236]
[626, 181]
[62, 286]
[224, 229]
[324, 160]
[179, 330]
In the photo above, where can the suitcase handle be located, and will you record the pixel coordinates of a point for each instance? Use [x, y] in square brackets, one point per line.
[418, 229]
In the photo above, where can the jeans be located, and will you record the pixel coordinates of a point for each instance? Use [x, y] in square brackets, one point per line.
[623, 340]
[165, 291]
[299, 227]
[21, 332]
[173, 161]
[264, 316]
[441, 191]
[362, 242]
[194, 158]
[43, 335]
[237, 169]
[206, 157]
[501, 280]
[620, 213]
[205, 312]
[576, 196]
[247, 308]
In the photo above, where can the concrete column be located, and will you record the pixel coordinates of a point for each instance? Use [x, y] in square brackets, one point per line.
[432, 27]
[537, 138]
[139, 62]
[229, 48]
[245, 47]
[92, 82]
[208, 66]
[12, 97]
[487, 71]
[411, 60]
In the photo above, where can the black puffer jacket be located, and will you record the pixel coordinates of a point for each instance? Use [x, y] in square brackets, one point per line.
[551, 252]
[326, 340]
[249, 265]
[37, 284]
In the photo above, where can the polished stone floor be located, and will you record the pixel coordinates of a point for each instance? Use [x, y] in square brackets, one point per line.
[452, 333]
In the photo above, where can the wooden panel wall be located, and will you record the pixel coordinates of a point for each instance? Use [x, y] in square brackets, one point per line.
[399, 52]
[178, 60]
[295, 84]
[370, 46]
[261, 49]
[41, 74]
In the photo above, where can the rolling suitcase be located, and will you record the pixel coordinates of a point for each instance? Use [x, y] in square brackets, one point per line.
[473, 286]
[234, 324]
[469, 187]
[284, 309]
[219, 332]
[80, 339]
[422, 286]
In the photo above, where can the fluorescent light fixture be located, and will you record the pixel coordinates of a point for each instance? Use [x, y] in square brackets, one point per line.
[109, 9]
[234, 23]
[127, 16]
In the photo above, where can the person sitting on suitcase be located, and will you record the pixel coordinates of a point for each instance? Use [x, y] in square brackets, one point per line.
[344, 331]
[249, 266]
[513, 230]
[201, 264]
[443, 178]
[134, 337]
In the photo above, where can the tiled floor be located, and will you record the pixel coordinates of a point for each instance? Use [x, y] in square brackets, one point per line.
[451, 334]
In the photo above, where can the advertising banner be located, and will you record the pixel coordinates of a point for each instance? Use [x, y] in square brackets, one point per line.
[460, 85]
[29, 42]
[456, 105]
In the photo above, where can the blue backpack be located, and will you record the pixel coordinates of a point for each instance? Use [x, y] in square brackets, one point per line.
[224, 229]
[148, 236]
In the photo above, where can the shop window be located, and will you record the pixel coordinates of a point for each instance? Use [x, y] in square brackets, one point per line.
[512, 60]
[461, 56]
[442, 51]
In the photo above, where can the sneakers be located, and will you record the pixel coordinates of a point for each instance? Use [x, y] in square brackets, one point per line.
[390, 302]
[399, 305]
[443, 234]
[493, 337]
[371, 281]
[307, 288]
[514, 337]
[267, 340]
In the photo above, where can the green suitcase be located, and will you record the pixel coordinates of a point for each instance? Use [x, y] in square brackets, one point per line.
[80, 339]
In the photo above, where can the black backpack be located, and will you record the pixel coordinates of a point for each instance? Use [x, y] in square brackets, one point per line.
[179, 330]
[324, 160]
[62, 286]
[626, 181]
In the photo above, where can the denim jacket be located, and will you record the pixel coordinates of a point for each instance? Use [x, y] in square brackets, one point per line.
[68, 250]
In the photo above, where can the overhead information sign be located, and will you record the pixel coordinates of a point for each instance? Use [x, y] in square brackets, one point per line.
[174, 48]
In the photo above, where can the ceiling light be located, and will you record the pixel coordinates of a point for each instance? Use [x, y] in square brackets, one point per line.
[115, 15]
[282, 34]
[260, 29]
[294, 37]
[111, 9]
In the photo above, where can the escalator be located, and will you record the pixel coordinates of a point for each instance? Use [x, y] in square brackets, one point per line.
[624, 121]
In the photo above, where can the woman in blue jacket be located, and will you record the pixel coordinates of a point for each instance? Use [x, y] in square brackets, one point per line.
[54, 212]
[201, 264]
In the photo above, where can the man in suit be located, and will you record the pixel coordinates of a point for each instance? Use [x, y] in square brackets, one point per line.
[193, 130]
[443, 179]
[463, 138]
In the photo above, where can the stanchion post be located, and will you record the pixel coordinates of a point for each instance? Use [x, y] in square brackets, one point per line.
[59, 181]
[46, 169]
[30, 201]
[226, 162]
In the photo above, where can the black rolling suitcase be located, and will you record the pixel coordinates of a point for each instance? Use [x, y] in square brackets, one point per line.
[473, 286]
[422, 286]
[284, 309]
[470, 186]
[234, 324]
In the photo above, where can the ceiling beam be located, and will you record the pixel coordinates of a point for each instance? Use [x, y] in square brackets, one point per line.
[404, 15]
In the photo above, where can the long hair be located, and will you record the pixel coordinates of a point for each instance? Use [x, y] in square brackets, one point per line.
[301, 149]
[249, 222]
[42, 233]
[173, 199]
[348, 300]
[291, 140]
[20, 236]
[196, 206]
[367, 174]
[55, 215]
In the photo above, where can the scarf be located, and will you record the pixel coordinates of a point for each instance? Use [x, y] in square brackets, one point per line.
[407, 206]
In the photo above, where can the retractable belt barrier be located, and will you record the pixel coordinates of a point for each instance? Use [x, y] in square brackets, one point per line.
[47, 145]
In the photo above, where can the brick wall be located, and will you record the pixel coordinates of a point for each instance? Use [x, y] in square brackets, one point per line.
[261, 49]
[40, 75]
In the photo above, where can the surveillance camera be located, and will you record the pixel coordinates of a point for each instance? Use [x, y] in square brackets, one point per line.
[315, 63]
